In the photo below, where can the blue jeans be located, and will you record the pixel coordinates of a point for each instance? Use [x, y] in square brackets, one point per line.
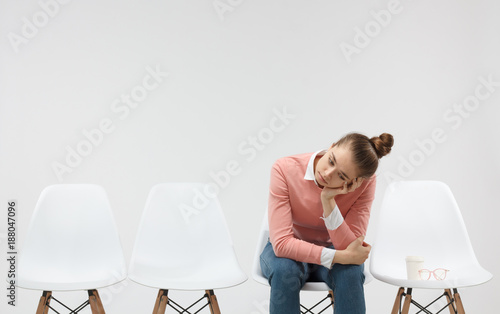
[286, 277]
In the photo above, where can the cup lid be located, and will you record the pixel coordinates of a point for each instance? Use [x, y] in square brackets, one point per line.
[414, 258]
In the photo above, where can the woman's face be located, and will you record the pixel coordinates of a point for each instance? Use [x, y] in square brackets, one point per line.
[335, 167]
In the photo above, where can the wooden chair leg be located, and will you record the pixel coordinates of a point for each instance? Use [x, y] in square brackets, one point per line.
[330, 292]
[95, 302]
[407, 303]
[212, 299]
[43, 304]
[458, 302]
[450, 300]
[99, 302]
[157, 302]
[161, 302]
[397, 302]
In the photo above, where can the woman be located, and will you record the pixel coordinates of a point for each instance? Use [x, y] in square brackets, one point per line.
[319, 207]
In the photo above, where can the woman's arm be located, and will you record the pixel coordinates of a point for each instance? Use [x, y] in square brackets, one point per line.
[347, 229]
[284, 243]
[356, 253]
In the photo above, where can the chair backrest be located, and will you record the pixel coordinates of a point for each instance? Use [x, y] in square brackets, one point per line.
[420, 218]
[72, 241]
[182, 228]
[261, 243]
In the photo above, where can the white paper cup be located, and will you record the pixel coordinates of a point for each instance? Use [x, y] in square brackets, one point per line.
[413, 264]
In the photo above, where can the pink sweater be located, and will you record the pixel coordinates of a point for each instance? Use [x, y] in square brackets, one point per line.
[296, 230]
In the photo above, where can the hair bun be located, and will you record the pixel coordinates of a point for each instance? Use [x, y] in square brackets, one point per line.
[382, 144]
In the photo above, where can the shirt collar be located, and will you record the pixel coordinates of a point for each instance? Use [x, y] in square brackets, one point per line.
[310, 167]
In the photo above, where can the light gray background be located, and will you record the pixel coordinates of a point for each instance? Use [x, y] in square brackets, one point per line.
[228, 74]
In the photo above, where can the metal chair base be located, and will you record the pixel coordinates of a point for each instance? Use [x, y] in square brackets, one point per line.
[454, 304]
[329, 298]
[162, 300]
[94, 301]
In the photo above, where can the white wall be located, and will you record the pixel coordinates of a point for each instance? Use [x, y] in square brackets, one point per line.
[229, 72]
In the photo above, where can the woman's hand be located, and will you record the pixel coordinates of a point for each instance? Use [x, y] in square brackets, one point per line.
[329, 193]
[356, 253]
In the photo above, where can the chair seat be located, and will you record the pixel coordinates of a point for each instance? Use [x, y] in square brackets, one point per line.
[471, 276]
[71, 273]
[309, 286]
[315, 286]
[206, 275]
[75, 284]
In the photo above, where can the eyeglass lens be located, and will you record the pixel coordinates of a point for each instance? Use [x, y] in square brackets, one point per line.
[439, 273]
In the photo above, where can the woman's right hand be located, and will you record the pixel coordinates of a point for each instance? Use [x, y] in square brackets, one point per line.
[356, 253]
[328, 194]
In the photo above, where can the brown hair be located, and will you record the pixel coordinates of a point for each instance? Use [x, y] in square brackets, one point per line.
[367, 151]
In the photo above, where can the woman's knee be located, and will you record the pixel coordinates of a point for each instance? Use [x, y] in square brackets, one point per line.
[348, 273]
[282, 271]
[288, 273]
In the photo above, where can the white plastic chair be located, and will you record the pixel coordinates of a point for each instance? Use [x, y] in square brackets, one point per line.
[72, 243]
[309, 286]
[422, 218]
[183, 243]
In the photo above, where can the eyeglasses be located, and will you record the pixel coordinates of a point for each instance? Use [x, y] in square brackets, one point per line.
[439, 273]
